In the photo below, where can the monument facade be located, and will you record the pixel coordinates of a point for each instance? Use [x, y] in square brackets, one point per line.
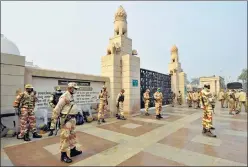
[122, 66]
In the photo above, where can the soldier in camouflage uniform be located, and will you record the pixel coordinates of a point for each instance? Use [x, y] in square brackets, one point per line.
[67, 110]
[119, 104]
[24, 105]
[208, 110]
[103, 96]
[173, 98]
[179, 98]
[146, 97]
[53, 102]
[158, 97]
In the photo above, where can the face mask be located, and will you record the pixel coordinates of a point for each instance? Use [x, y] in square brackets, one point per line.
[74, 91]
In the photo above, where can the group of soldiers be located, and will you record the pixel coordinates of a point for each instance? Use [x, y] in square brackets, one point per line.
[233, 99]
[193, 99]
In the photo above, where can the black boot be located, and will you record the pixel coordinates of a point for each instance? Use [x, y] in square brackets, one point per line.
[210, 134]
[238, 112]
[147, 114]
[26, 137]
[122, 118]
[99, 122]
[157, 117]
[103, 121]
[204, 131]
[118, 117]
[51, 132]
[75, 152]
[230, 113]
[212, 128]
[160, 116]
[36, 135]
[65, 158]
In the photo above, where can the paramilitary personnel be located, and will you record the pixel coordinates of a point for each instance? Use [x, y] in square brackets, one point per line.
[24, 106]
[195, 99]
[103, 96]
[173, 98]
[119, 105]
[222, 98]
[146, 97]
[53, 101]
[67, 110]
[189, 98]
[242, 101]
[158, 97]
[231, 102]
[179, 98]
[208, 111]
[226, 95]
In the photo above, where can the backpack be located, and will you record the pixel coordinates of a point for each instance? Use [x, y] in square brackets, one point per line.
[87, 116]
[79, 119]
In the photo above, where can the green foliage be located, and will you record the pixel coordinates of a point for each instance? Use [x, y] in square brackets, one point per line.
[243, 75]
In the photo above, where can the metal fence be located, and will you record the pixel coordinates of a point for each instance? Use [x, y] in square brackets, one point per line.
[153, 80]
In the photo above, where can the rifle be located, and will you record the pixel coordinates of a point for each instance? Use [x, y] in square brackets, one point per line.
[57, 127]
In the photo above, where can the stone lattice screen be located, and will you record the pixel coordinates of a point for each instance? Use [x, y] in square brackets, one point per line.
[153, 80]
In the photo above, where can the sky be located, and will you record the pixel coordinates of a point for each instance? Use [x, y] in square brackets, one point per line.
[72, 35]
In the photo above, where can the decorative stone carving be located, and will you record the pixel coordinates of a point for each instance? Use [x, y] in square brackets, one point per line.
[113, 48]
[134, 52]
[120, 23]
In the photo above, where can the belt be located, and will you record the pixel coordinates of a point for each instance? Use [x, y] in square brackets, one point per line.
[69, 116]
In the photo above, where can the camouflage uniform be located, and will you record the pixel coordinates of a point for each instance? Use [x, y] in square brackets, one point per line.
[208, 110]
[189, 99]
[231, 102]
[226, 95]
[242, 101]
[53, 105]
[103, 96]
[158, 96]
[222, 98]
[195, 100]
[25, 102]
[179, 98]
[67, 110]
[173, 99]
[119, 105]
[146, 97]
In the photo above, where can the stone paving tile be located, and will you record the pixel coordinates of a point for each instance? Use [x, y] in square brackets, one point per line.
[34, 154]
[147, 159]
[144, 128]
[169, 118]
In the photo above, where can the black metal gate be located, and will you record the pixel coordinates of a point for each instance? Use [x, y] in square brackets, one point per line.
[153, 80]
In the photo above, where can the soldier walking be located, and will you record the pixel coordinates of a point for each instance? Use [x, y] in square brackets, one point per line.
[158, 97]
[146, 101]
[195, 100]
[222, 98]
[53, 101]
[189, 99]
[173, 99]
[67, 110]
[208, 110]
[103, 96]
[242, 101]
[24, 106]
[119, 105]
[231, 102]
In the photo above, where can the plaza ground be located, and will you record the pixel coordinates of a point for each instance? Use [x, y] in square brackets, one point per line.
[176, 140]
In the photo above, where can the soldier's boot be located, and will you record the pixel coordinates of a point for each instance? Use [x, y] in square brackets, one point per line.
[212, 128]
[51, 132]
[122, 118]
[103, 120]
[157, 117]
[118, 116]
[26, 137]
[147, 114]
[65, 158]
[210, 134]
[99, 122]
[230, 113]
[36, 135]
[238, 112]
[75, 152]
[204, 130]
[160, 116]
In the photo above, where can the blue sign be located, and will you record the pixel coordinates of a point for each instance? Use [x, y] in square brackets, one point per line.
[135, 83]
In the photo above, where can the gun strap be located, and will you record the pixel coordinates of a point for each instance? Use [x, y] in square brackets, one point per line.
[68, 112]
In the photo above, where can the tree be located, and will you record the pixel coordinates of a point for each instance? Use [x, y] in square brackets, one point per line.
[195, 81]
[243, 76]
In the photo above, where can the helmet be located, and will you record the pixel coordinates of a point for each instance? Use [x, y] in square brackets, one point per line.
[158, 89]
[72, 85]
[29, 86]
[57, 88]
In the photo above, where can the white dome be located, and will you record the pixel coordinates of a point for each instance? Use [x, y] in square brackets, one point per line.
[8, 46]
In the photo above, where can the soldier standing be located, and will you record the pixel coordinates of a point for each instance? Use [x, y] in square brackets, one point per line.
[173, 99]
[147, 101]
[226, 98]
[207, 114]
[53, 101]
[67, 110]
[195, 99]
[179, 98]
[231, 102]
[242, 101]
[119, 105]
[199, 97]
[237, 99]
[222, 98]
[158, 97]
[103, 96]
[189, 99]
[24, 105]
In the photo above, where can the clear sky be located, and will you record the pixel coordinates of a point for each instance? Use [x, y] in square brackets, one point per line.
[72, 36]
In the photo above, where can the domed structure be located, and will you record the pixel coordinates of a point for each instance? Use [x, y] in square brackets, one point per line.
[8, 46]
[174, 48]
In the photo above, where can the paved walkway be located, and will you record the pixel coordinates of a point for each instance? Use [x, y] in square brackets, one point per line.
[175, 140]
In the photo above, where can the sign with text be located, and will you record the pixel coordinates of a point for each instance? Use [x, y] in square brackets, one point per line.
[135, 83]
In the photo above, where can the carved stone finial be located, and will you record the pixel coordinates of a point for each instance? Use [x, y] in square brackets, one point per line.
[174, 48]
[134, 52]
[120, 14]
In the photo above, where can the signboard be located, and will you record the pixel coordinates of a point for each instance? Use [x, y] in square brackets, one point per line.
[85, 97]
[135, 83]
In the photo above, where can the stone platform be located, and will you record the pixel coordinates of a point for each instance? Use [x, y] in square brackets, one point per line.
[175, 140]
